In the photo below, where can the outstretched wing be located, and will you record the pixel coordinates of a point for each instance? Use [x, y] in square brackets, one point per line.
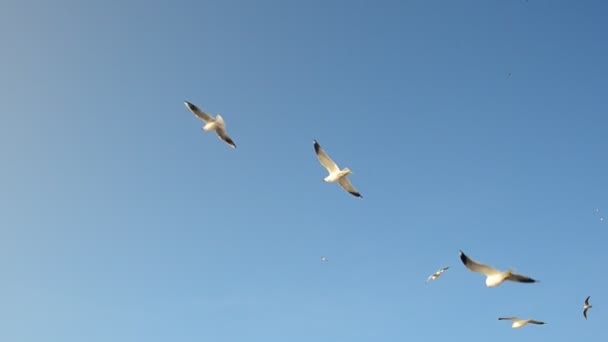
[507, 318]
[345, 183]
[477, 267]
[324, 159]
[521, 278]
[536, 322]
[224, 136]
[587, 300]
[585, 312]
[199, 113]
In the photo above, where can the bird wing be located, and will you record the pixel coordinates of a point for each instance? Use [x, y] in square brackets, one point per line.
[199, 113]
[585, 312]
[507, 318]
[224, 136]
[325, 160]
[587, 300]
[535, 322]
[345, 183]
[521, 278]
[477, 267]
[443, 269]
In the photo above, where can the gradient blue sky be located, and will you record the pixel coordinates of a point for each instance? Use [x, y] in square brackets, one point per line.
[122, 221]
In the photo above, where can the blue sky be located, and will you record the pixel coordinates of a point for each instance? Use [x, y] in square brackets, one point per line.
[122, 221]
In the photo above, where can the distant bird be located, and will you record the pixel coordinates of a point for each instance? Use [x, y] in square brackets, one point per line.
[324, 259]
[518, 322]
[436, 274]
[586, 307]
[494, 277]
[216, 124]
[335, 174]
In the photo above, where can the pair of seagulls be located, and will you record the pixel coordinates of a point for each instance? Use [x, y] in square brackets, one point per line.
[518, 322]
[218, 125]
[494, 277]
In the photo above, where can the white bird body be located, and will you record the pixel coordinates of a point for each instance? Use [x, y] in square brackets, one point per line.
[494, 277]
[518, 322]
[216, 124]
[335, 174]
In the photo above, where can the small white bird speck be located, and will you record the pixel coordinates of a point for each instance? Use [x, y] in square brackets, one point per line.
[324, 259]
[436, 274]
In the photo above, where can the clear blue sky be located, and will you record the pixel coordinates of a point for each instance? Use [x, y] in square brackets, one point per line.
[122, 221]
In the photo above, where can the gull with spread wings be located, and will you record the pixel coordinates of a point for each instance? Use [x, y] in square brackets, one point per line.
[518, 322]
[586, 306]
[494, 277]
[216, 124]
[335, 174]
[436, 274]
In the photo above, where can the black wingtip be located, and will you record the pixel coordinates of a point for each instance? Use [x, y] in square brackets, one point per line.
[356, 194]
[463, 257]
[190, 106]
[231, 143]
[317, 146]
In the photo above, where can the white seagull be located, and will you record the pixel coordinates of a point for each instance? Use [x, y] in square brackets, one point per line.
[324, 259]
[436, 274]
[586, 306]
[518, 322]
[494, 277]
[216, 124]
[335, 174]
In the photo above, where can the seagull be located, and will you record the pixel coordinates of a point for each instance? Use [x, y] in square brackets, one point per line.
[335, 174]
[436, 274]
[518, 322]
[218, 125]
[324, 259]
[494, 277]
[586, 307]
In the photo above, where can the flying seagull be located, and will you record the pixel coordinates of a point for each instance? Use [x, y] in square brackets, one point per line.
[518, 322]
[335, 174]
[494, 277]
[216, 124]
[586, 307]
[324, 259]
[436, 274]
